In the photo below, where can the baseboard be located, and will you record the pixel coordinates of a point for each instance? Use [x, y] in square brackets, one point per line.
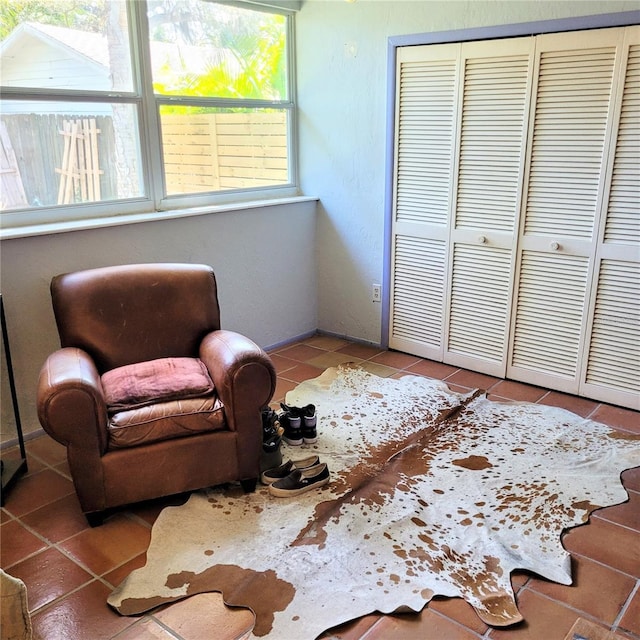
[368, 343]
[32, 435]
[321, 332]
[288, 341]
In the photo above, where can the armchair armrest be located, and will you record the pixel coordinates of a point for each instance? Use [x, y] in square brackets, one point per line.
[243, 374]
[71, 405]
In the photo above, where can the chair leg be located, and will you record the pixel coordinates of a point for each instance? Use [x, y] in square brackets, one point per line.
[249, 486]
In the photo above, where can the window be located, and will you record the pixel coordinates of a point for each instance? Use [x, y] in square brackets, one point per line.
[114, 106]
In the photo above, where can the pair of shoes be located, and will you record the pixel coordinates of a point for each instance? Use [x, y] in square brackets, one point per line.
[271, 475]
[271, 431]
[299, 424]
[300, 481]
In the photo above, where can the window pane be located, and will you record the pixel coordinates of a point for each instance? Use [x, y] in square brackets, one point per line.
[65, 153]
[201, 48]
[66, 45]
[208, 149]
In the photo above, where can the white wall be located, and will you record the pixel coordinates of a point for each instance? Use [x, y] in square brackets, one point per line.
[342, 89]
[264, 260]
[32, 62]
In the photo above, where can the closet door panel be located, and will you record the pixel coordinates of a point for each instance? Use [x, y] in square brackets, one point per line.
[612, 364]
[622, 223]
[424, 163]
[418, 294]
[570, 131]
[550, 305]
[573, 99]
[493, 116]
[481, 279]
[495, 95]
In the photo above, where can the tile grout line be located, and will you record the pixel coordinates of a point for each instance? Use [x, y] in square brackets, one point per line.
[173, 633]
[280, 376]
[66, 554]
[598, 562]
[581, 613]
[626, 605]
[456, 622]
[591, 413]
[596, 513]
[59, 599]
[57, 546]
[611, 522]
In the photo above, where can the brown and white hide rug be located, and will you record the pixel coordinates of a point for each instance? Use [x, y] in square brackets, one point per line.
[431, 492]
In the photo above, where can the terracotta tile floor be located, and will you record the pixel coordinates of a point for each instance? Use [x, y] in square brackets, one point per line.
[69, 568]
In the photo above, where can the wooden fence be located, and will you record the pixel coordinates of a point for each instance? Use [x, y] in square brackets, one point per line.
[203, 152]
[39, 151]
[210, 152]
[12, 192]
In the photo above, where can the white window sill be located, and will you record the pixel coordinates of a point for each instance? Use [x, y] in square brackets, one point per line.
[154, 216]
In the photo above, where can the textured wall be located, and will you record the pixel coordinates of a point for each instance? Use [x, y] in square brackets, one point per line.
[264, 260]
[342, 88]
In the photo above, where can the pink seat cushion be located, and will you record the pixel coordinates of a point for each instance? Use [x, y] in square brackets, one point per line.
[145, 383]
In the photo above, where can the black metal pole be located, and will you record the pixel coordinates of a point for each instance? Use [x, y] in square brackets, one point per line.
[22, 466]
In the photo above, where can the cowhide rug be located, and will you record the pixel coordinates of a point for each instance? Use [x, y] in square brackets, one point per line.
[432, 492]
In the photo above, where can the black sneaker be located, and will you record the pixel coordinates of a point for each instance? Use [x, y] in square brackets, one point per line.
[271, 475]
[300, 481]
[271, 445]
[271, 431]
[270, 423]
[291, 421]
[309, 422]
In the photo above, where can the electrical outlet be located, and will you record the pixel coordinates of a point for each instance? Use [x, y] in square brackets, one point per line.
[376, 293]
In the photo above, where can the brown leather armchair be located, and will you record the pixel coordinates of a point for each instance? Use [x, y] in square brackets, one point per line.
[132, 336]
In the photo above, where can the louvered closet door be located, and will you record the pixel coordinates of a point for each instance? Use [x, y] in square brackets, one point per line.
[516, 221]
[570, 132]
[425, 142]
[611, 367]
[495, 85]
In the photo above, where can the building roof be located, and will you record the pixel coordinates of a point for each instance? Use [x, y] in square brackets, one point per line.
[168, 59]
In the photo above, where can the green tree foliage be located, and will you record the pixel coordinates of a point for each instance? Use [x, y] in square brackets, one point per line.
[75, 14]
[246, 50]
[248, 47]
[260, 56]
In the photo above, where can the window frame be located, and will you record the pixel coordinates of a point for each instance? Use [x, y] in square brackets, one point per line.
[149, 136]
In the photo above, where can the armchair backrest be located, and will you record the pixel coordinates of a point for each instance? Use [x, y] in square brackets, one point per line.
[132, 313]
